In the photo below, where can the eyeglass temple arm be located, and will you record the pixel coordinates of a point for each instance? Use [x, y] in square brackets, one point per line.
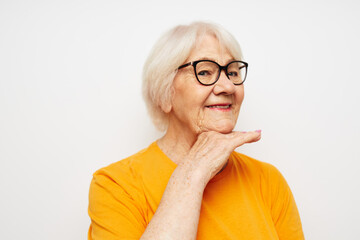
[185, 65]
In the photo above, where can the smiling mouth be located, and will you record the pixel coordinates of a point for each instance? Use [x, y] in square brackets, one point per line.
[220, 106]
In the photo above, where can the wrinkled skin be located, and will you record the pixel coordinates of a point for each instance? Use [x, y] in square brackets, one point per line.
[194, 108]
[189, 106]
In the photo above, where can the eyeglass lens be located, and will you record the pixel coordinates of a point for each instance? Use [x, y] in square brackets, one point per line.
[208, 72]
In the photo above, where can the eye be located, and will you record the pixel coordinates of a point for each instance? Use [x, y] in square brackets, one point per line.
[204, 73]
[233, 74]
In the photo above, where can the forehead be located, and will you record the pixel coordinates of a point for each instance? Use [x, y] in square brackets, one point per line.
[209, 47]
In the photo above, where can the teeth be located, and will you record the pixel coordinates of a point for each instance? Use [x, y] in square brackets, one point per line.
[216, 106]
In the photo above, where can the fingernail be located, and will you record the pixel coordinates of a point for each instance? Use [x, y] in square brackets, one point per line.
[259, 130]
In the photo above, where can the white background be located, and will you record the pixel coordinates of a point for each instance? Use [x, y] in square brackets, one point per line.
[70, 102]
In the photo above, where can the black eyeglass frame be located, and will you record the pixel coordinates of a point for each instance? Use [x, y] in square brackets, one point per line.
[194, 63]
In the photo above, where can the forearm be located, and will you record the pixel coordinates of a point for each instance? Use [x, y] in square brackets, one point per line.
[177, 216]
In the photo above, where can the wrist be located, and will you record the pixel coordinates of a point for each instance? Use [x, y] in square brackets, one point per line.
[193, 176]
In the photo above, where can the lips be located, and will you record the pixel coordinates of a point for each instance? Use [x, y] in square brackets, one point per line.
[220, 106]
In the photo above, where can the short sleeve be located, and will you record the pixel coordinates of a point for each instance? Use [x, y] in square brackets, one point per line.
[284, 211]
[114, 211]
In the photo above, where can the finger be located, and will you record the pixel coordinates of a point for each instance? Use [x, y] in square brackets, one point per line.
[256, 136]
[241, 138]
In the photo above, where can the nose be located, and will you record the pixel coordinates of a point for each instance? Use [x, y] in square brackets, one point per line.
[224, 85]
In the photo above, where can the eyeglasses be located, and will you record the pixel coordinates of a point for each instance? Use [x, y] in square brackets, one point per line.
[207, 72]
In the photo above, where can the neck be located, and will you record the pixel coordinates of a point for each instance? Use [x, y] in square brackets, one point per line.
[177, 142]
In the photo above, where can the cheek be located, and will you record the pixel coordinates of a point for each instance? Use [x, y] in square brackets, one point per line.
[239, 96]
[186, 105]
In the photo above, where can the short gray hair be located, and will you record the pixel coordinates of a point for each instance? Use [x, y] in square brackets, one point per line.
[168, 53]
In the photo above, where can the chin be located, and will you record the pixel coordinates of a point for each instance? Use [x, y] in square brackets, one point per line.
[224, 128]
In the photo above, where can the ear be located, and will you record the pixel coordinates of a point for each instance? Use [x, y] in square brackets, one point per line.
[166, 107]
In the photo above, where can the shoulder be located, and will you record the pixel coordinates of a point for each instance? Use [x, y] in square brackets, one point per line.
[123, 175]
[117, 204]
[262, 174]
[119, 183]
[128, 168]
[144, 167]
[253, 165]
[267, 177]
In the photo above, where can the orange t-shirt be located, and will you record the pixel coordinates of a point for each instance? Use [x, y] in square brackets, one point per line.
[248, 200]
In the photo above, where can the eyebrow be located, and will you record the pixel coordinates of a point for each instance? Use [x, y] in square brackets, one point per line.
[212, 59]
[206, 58]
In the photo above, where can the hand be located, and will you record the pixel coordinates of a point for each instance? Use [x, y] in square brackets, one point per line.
[212, 149]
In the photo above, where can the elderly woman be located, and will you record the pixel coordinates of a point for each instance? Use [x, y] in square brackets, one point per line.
[191, 184]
